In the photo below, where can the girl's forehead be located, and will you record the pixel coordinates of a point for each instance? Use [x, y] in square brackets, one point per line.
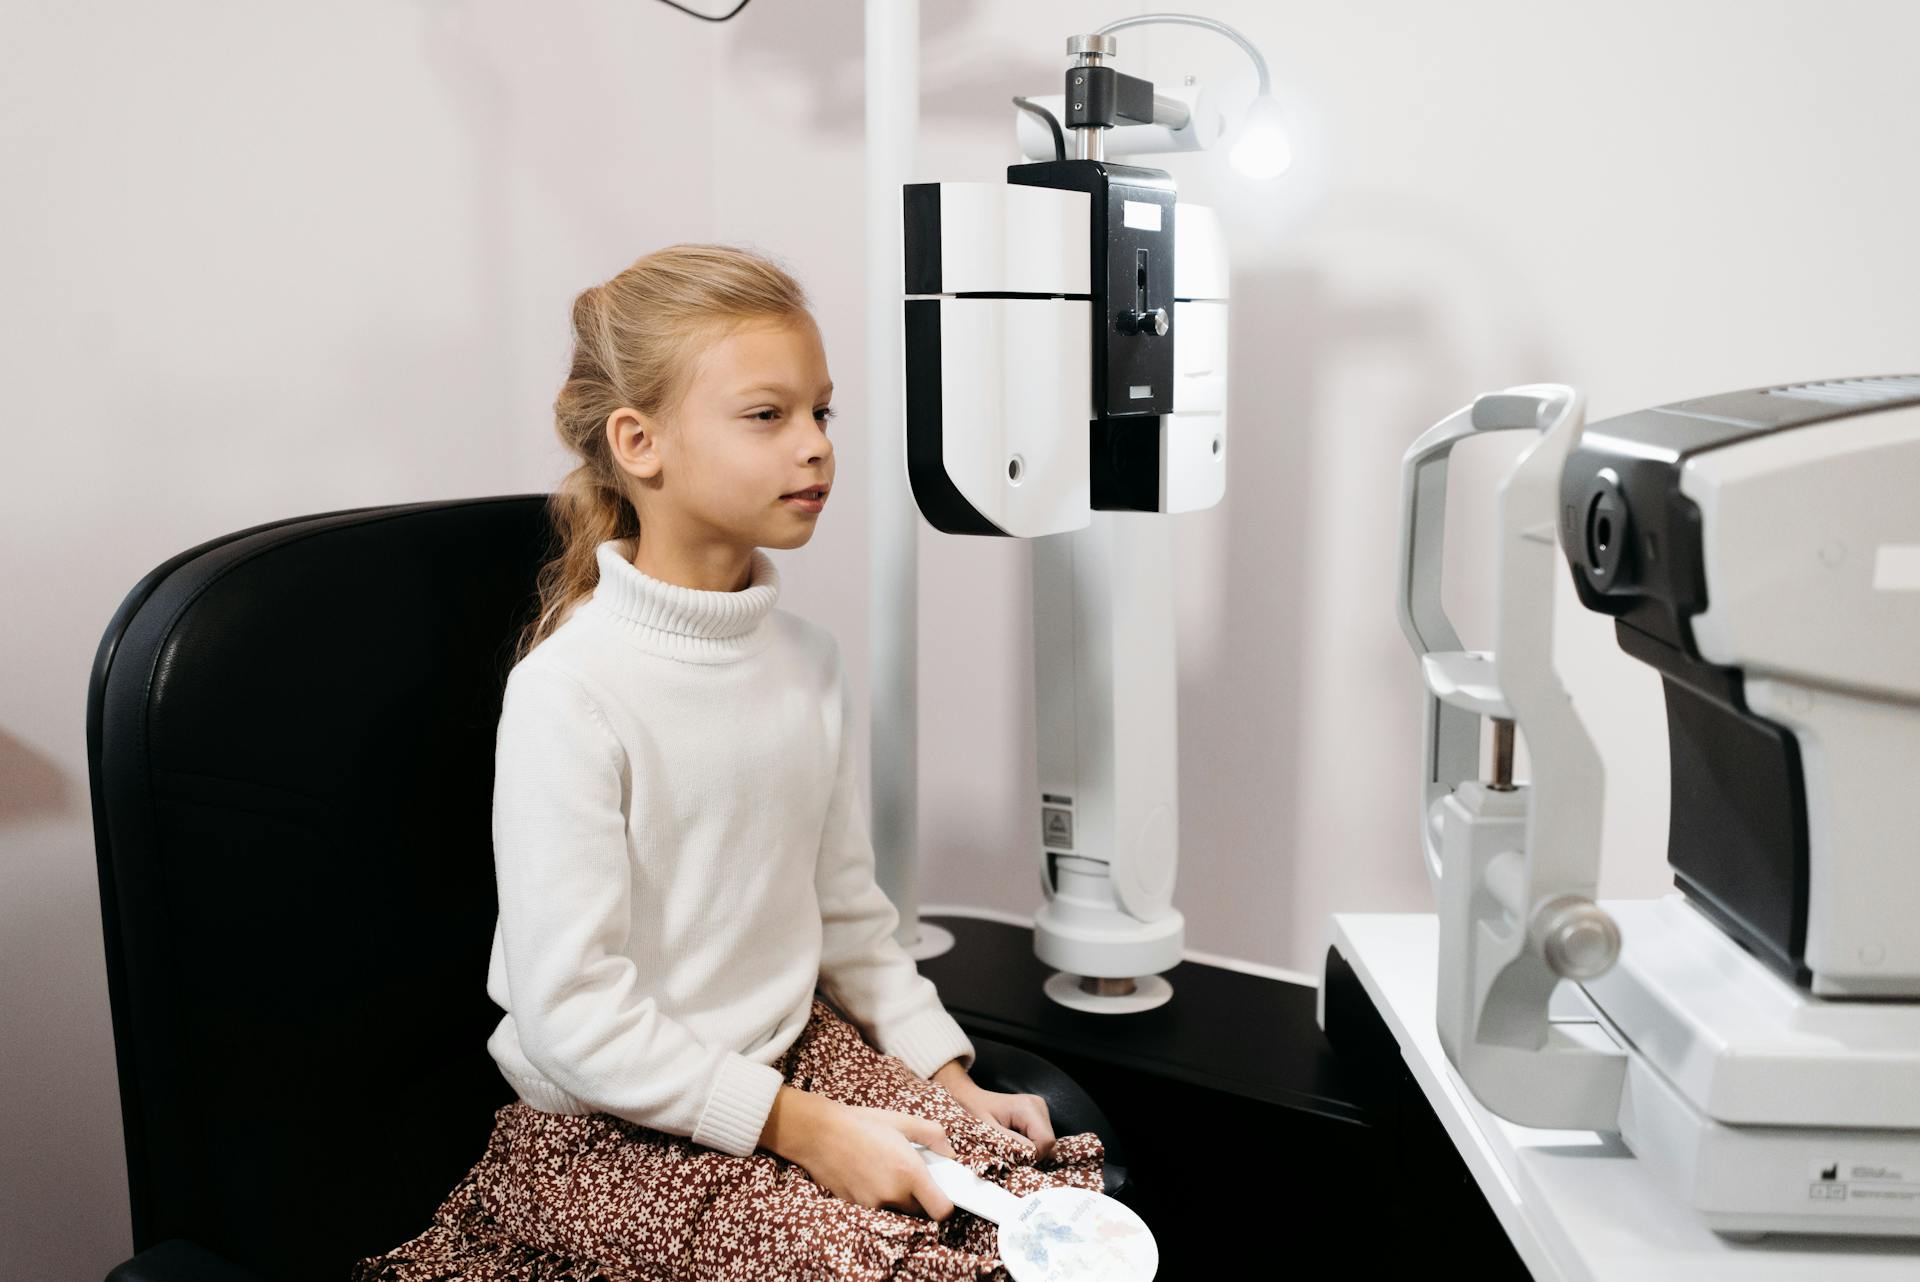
[767, 356]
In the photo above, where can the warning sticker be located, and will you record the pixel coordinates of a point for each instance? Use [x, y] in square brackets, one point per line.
[1056, 828]
[1842, 1181]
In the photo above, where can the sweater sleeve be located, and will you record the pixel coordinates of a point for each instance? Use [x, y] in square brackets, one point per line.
[581, 1008]
[863, 969]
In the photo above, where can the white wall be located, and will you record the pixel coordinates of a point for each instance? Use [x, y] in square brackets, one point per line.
[263, 260]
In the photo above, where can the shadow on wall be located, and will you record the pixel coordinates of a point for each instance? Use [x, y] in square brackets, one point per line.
[1300, 701]
[36, 786]
[1241, 572]
[791, 38]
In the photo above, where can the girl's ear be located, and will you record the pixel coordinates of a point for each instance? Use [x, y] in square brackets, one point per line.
[631, 440]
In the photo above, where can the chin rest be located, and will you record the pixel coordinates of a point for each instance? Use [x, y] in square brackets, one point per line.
[290, 734]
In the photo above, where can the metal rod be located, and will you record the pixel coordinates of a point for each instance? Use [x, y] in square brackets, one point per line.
[1170, 112]
[1502, 755]
[893, 672]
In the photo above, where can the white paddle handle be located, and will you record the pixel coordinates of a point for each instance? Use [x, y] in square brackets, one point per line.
[983, 1197]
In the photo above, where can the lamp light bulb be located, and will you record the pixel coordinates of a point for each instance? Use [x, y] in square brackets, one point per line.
[1262, 151]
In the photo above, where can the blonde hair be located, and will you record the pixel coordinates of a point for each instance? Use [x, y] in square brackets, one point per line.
[636, 340]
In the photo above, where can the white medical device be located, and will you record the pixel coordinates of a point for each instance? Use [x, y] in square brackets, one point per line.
[1754, 1038]
[1065, 351]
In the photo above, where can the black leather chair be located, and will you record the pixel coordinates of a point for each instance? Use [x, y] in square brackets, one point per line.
[290, 736]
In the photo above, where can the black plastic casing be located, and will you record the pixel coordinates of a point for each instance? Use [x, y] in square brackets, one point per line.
[1131, 273]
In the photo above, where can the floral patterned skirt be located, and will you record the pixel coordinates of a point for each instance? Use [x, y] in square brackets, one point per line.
[595, 1198]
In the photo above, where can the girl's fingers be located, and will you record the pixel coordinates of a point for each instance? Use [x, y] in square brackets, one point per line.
[997, 1124]
[1031, 1117]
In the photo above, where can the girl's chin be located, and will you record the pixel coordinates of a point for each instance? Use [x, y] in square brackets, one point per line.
[795, 533]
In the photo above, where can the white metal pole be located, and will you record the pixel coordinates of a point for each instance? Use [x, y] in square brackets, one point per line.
[892, 64]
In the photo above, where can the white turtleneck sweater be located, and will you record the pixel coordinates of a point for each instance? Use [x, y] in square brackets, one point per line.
[681, 861]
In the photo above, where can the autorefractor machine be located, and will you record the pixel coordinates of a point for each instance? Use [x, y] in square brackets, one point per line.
[1753, 1037]
[1065, 349]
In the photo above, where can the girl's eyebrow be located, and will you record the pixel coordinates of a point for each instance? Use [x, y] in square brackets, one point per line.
[776, 387]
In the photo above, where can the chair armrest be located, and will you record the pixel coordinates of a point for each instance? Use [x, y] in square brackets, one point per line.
[999, 1066]
[178, 1260]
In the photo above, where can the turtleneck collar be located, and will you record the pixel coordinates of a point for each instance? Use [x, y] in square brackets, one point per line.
[680, 622]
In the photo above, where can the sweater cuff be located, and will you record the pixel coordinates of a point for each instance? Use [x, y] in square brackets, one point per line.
[737, 1105]
[927, 1041]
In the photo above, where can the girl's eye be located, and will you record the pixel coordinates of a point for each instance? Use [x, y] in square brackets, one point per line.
[824, 413]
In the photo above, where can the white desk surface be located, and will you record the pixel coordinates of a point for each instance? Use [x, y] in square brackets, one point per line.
[1577, 1205]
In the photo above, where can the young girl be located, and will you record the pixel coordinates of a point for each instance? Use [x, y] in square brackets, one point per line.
[722, 1057]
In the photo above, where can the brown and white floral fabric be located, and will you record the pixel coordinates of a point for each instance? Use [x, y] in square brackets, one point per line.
[596, 1198]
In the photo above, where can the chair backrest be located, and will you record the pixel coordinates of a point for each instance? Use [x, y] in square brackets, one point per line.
[290, 736]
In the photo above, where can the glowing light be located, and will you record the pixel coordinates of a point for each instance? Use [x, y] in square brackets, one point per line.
[1262, 151]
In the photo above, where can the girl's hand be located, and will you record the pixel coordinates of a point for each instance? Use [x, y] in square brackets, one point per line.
[866, 1155]
[1012, 1113]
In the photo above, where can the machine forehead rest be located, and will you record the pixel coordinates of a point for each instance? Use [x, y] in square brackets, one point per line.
[1506, 411]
